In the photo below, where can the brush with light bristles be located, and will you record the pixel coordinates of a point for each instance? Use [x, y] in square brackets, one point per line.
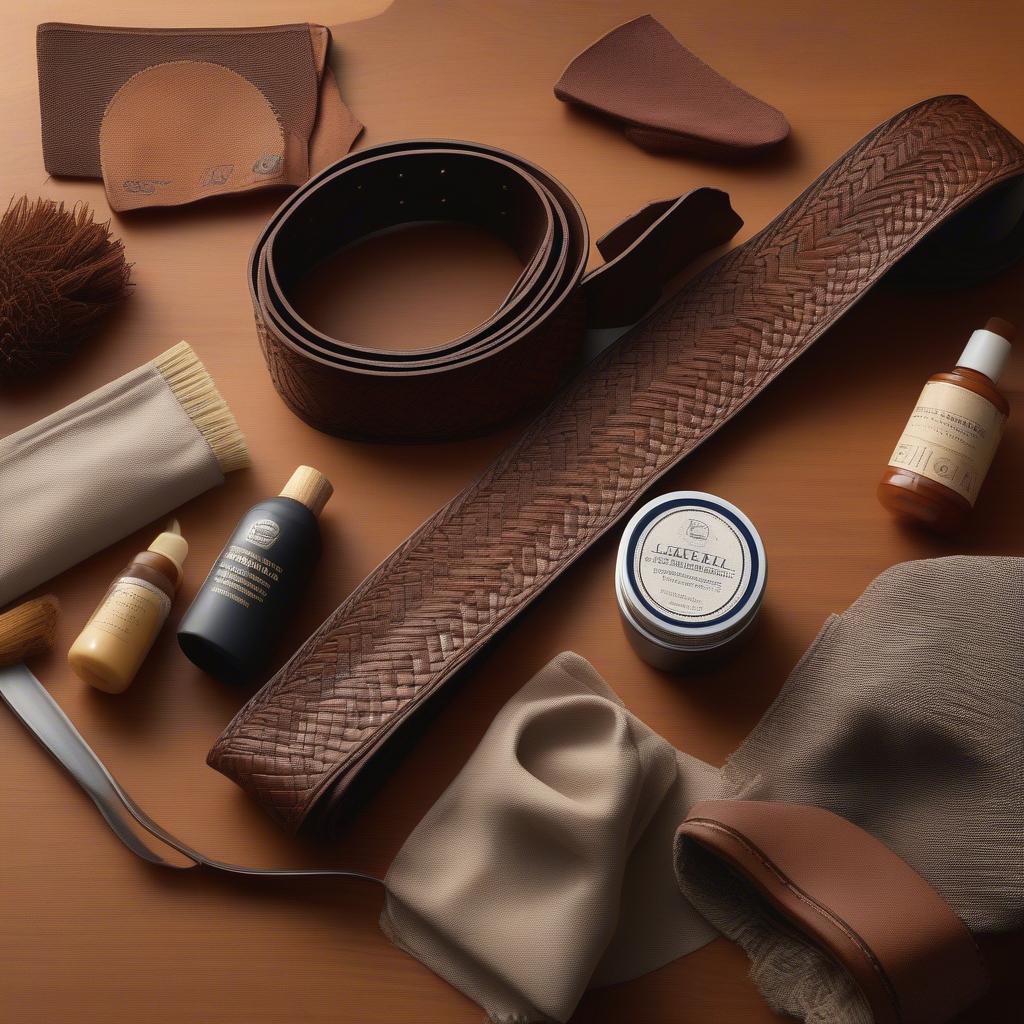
[199, 398]
[118, 459]
[28, 629]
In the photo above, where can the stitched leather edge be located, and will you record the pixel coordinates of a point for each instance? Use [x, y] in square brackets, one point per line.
[856, 940]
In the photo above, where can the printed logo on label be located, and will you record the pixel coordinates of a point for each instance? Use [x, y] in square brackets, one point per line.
[263, 533]
[698, 531]
[216, 175]
[147, 186]
[269, 163]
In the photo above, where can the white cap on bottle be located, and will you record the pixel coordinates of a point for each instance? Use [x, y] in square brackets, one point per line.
[988, 349]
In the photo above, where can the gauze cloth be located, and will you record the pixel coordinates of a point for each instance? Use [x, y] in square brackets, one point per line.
[541, 869]
[169, 116]
[906, 717]
[665, 98]
[106, 465]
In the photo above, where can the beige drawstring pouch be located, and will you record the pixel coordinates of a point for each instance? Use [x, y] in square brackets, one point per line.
[108, 464]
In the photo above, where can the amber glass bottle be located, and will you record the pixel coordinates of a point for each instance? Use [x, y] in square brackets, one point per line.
[944, 452]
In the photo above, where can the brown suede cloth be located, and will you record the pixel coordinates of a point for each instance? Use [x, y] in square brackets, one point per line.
[667, 99]
[169, 116]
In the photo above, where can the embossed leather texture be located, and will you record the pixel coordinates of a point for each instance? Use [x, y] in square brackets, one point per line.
[309, 741]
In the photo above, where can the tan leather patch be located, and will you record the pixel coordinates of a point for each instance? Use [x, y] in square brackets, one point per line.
[181, 131]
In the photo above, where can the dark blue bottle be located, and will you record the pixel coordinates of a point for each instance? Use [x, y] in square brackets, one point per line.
[230, 627]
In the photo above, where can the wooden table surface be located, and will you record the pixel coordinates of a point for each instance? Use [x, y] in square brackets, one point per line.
[88, 933]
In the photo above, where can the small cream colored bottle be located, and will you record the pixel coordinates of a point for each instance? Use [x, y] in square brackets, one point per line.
[120, 633]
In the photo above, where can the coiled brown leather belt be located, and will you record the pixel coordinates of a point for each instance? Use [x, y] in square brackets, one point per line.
[936, 189]
[518, 356]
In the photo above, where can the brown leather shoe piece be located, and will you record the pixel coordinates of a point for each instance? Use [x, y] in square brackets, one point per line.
[667, 99]
[799, 877]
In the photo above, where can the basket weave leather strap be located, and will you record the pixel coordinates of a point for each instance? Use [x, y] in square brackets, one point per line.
[306, 743]
[514, 359]
[847, 893]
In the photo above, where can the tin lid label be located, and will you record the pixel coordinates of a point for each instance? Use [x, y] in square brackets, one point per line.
[693, 564]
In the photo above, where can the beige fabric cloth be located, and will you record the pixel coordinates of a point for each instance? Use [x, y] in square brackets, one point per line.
[539, 872]
[546, 865]
[93, 472]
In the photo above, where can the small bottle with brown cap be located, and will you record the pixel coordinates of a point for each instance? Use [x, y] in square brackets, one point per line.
[119, 634]
[947, 446]
[230, 628]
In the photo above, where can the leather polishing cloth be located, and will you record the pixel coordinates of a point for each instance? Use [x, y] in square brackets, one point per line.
[168, 116]
[666, 99]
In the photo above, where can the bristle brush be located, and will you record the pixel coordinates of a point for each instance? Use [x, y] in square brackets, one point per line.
[28, 629]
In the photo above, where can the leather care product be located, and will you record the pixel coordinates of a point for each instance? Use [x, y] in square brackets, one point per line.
[897, 737]
[118, 636]
[918, 193]
[947, 446]
[689, 578]
[518, 356]
[109, 464]
[28, 629]
[231, 626]
[171, 115]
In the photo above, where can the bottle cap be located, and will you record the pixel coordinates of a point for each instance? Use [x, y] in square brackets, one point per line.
[988, 349]
[309, 487]
[172, 546]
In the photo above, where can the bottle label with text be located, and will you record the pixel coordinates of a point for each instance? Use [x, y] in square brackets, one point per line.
[950, 438]
[132, 607]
